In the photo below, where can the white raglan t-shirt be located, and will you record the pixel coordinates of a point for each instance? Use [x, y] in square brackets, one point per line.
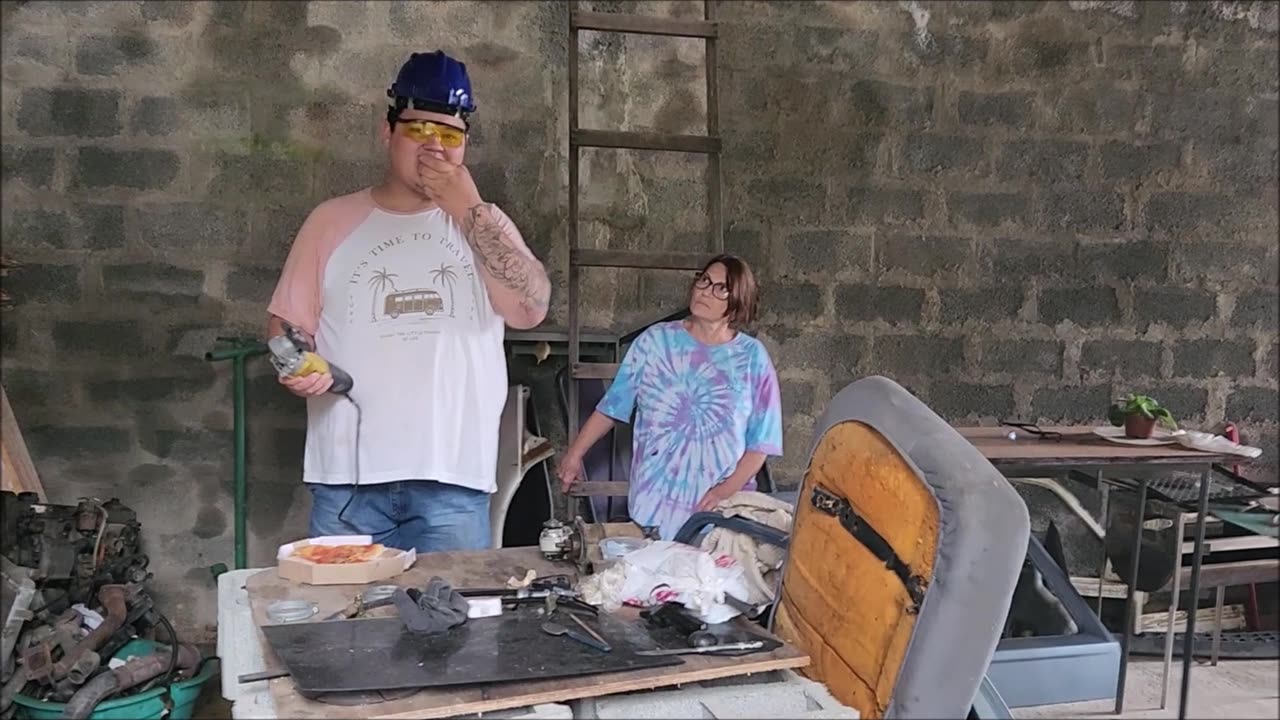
[396, 300]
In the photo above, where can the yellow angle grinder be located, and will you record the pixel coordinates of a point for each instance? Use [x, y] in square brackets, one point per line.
[292, 356]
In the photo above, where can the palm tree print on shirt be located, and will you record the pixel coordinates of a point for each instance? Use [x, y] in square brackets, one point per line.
[445, 275]
[379, 282]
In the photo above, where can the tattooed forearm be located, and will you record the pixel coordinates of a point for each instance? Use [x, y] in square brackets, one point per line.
[516, 272]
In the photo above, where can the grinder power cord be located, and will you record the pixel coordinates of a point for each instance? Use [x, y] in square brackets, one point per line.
[293, 356]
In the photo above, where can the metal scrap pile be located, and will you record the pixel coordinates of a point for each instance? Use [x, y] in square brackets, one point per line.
[75, 602]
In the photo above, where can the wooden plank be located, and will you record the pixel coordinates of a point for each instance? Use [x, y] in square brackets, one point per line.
[638, 259]
[714, 176]
[1243, 572]
[595, 371]
[642, 24]
[573, 421]
[1232, 544]
[599, 488]
[1078, 447]
[482, 569]
[1233, 618]
[1228, 574]
[667, 142]
[17, 472]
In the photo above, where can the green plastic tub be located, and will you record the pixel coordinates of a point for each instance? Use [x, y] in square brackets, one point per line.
[149, 705]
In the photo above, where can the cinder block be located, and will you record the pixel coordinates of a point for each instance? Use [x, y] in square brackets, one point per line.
[791, 696]
[542, 711]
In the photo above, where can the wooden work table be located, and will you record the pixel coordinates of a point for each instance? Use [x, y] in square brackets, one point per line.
[1078, 450]
[489, 568]
[1078, 447]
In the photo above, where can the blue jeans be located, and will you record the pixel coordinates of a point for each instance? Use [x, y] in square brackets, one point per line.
[421, 515]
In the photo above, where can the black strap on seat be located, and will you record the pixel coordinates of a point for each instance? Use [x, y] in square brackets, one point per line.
[829, 503]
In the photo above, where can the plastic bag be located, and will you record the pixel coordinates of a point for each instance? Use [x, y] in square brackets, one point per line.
[670, 572]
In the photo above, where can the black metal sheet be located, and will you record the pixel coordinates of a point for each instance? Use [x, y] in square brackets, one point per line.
[379, 654]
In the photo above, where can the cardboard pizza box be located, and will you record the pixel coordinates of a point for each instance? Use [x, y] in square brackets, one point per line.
[388, 564]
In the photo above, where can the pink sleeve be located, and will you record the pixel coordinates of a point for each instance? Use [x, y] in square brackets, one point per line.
[296, 299]
[299, 292]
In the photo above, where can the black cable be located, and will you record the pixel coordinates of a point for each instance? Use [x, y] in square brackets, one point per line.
[173, 648]
[167, 677]
[47, 603]
[356, 485]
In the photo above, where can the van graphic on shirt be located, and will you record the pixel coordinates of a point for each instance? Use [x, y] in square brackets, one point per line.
[388, 301]
[421, 300]
[409, 284]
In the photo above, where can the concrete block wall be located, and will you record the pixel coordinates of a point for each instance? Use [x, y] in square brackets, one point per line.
[1016, 209]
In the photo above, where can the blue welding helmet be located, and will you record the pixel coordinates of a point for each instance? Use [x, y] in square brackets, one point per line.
[433, 82]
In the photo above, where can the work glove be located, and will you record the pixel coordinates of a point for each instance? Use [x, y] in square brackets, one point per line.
[432, 610]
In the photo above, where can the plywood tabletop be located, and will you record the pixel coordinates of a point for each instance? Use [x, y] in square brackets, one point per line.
[1078, 446]
[489, 568]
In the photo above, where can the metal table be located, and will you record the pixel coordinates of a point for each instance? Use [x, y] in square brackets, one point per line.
[1062, 450]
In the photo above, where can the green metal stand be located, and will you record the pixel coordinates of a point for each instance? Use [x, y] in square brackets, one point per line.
[239, 350]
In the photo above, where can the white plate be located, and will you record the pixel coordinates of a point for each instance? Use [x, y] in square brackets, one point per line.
[1116, 435]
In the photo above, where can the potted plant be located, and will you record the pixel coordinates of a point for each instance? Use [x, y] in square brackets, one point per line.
[1139, 415]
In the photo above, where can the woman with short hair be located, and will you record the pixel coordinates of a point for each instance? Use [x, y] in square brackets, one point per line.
[705, 396]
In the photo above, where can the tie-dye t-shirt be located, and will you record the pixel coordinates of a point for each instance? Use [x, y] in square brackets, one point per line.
[698, 408]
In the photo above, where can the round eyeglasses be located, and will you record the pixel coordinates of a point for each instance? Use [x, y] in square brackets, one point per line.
[719, 290]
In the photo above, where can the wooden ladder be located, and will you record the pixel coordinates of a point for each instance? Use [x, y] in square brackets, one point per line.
[709, 145]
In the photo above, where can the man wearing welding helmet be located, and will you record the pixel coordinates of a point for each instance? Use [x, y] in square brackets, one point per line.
[406, 286]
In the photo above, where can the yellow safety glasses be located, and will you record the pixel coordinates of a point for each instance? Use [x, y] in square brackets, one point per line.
[423, 130]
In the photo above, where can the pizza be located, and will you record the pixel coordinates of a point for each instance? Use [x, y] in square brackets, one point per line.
[338, 554]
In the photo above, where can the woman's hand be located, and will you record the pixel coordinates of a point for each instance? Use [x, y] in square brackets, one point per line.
[569, 470]
[716, 495]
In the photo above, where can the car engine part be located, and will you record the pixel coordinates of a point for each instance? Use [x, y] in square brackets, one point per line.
[72, 549]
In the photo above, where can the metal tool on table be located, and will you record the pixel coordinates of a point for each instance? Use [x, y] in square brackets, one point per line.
[559, 541]
[293, 356]
[541, 590]
[675, 616]
[604, 644]
[371, 599]
[263, 675]
[750, 611]
[552, 628]
[710, 649]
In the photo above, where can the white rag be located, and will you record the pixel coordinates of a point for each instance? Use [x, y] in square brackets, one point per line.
[1208, 442]
[758, 559]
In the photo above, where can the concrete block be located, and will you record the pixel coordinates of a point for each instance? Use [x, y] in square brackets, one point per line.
[38, 283]
[45, 112]
[961, 400]
[1074, 404]
[1210, 357]
[791, 696]
[988, 209]
[1082, 306]
[541, 711]
[238, 649]
[1175, 307]
[152, 278]
[980, 304]
[1084, 211]
[1256, 404]
[875, 302]
[1007, 109]
[1134, 358]
[1016, 356]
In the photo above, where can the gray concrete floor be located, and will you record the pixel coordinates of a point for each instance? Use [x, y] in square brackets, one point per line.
[1232, 689]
